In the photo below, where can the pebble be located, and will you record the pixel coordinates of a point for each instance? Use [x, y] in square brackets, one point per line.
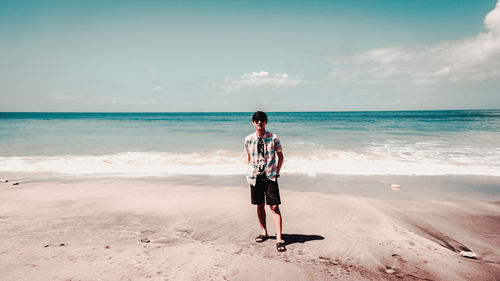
[468, 254]
[4, 180]
[389, 270]
[15, 183]
[145, 240]
[395, 187]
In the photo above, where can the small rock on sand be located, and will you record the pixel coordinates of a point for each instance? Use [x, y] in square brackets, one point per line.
[468, 254]
[389, 270]
[145, 240]
[395, 187]
[4, 180]
[15, 183]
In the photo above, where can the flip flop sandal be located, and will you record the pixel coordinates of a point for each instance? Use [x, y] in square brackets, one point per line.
[261, 238]
[280, 246]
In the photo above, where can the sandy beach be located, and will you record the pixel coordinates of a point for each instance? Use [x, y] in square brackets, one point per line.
[138, 229]
[130, 132]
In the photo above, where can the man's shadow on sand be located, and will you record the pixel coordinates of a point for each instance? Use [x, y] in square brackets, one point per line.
[298, 238]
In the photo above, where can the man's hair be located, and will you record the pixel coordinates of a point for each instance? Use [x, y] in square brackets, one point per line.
[259, 115]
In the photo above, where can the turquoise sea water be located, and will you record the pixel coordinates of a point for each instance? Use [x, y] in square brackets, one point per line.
[360, 143]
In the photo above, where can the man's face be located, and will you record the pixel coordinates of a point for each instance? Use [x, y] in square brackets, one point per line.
[259, 124]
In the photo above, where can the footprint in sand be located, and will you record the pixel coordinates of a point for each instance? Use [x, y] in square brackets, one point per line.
[399, 258]
[185, 233]
[167, 240]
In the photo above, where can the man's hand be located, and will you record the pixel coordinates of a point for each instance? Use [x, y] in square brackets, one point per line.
[280, 161]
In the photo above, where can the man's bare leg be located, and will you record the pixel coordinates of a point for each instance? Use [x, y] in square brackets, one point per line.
[277, 220]
[261, 214]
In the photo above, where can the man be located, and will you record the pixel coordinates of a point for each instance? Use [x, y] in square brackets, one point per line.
[262, 148]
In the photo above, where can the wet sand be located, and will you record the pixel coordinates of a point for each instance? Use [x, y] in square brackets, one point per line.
[91, 229]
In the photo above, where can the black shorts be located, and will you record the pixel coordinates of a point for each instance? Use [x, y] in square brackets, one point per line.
[265, 188]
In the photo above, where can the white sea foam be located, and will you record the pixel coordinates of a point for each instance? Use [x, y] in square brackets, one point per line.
[130, 164]
[224, 162]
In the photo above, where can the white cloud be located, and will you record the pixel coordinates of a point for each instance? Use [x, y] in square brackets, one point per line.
[80, 98]
[100, 99]
[61, 97]
[156, 88]
[473, 59]
[256, 79]
[151, 71]
[148, 101]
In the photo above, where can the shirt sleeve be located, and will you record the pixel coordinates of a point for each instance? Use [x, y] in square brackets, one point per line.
[277, 144]
[246, 146]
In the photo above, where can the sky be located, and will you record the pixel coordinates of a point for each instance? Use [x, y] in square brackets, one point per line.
[164, 56]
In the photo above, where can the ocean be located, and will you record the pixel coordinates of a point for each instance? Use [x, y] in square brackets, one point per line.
[452, 142]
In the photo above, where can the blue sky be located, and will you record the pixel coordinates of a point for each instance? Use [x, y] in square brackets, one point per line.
[248, 55]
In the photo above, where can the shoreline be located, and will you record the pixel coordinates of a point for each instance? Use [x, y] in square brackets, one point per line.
[91, 229]
[418, 187]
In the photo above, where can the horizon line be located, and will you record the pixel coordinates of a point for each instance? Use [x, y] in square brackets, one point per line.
[300, 111]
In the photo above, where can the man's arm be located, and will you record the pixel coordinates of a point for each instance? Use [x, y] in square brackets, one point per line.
[280, 160]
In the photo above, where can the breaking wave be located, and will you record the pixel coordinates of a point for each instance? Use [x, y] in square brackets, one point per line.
[375, 161]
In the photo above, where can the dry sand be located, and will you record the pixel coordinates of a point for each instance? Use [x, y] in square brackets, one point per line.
[92, 230]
